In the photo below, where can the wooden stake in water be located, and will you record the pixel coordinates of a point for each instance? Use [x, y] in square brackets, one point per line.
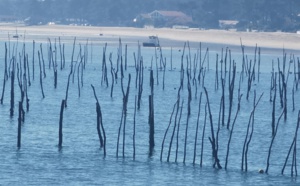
[42, 57]
[203, 133]
[5, 78]
[133, 136]
[33, 53]
[170, 121]
[67, 90]
[232, 127]
[100, 123]
[124, 114]
[112, 71]
[19, 124]
[60, 132]
[197, 126]
[293, 146]
[178, 127]
[141, 81]
[151, 116]
[249, 133]
[12, 90]
[273, 137]
[41, 79]
[212, 139]
[231, 90]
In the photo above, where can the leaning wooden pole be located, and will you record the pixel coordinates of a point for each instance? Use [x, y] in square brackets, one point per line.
[124, 115]
[231, 89]
[60, 54]
[187, 118]
[247, 141]
[197, 127]
[212, 139]
[271, 144]
[42, 56]
[12, 90]
[273, 110]
[60, 132]
[73, 50]
[178, 127]
[291, 147]
[41, 79]
[33, 52]
[5, 76]
[140, 82]
[125, 102]
[68, 84]
[98, 118]
[232, 127]
[100, 127]
[166, 132]
[203, 133]
[112, 76]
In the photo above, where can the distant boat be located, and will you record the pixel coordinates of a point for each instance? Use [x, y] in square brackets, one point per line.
[153, 42]
[16, 35]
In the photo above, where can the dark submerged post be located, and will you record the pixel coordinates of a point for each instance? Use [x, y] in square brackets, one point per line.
[151, 116]
[178, 126]
[67, 90]
[212, 139]
[5, 75]
[44, 71]
[203, 133]
[170, 121]
[19, 124]
[273, 137]
[247, 141]
[112, 76]
[294, 150]
[41, 79]
[60, 132]
[12, 90]
[100, 124]
[133, 136]
[197, 126]
[231, 89]
[232, 127]
[32, 62]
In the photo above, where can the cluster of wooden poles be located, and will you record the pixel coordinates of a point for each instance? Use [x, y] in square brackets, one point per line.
[194, 73]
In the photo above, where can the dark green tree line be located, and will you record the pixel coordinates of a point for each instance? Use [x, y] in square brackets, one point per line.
[255, 14]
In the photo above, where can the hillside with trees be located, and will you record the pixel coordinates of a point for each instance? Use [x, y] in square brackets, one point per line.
[264, 15]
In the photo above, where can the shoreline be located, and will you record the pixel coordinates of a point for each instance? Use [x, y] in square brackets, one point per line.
[213, 39]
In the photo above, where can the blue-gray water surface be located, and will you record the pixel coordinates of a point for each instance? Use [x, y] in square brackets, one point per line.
[81, 161]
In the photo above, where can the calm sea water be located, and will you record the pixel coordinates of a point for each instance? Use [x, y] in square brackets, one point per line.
[81, 161]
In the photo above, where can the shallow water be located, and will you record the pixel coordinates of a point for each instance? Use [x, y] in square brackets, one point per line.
[81, 161]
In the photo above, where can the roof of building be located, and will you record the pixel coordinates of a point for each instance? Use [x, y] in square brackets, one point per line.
[170, 13]
[228, 22]
[145, 16]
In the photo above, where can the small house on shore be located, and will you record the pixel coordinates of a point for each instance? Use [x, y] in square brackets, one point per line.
[161, 18]
[228, 24]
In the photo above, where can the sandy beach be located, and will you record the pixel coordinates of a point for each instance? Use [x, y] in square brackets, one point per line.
[168, 37]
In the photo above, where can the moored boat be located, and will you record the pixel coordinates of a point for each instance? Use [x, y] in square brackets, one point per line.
[153, 42]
